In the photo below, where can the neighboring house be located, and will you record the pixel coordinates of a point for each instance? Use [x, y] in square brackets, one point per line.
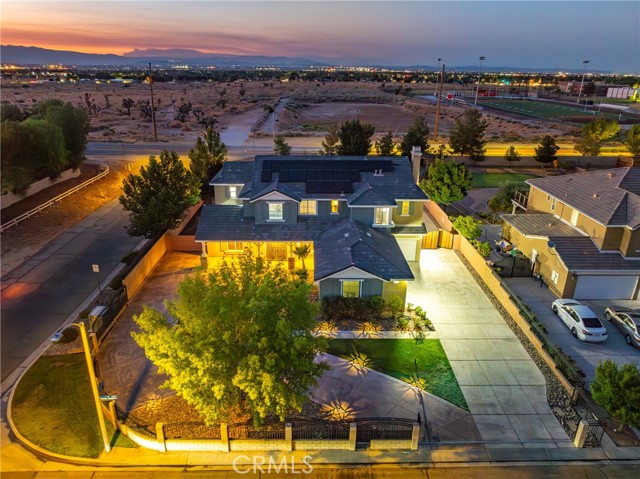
[361, 217]
[582, 233]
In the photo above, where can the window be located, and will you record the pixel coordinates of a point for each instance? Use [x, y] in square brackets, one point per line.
[383, 216]
[234, 247]
[276, 211]
[335, 207]
[351, 289]
[554, 277]
[276, 251]
[553, 204]
[548, 198]
[233, 192]
[308, 207]
[405, 208]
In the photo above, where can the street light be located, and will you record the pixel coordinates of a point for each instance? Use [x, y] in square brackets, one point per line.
[437, 76]
[582, 81]
[478, 85]
[94, 383]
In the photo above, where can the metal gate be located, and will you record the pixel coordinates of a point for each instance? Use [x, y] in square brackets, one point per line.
[592, 413]
[446, 240]
[368, 429]
[430, 240]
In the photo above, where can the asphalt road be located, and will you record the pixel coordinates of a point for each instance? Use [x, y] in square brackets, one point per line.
[40, 294]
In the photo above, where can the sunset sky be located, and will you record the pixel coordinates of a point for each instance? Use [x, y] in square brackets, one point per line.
[515, 33]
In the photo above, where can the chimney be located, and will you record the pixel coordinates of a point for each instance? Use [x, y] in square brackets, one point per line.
[416, 158]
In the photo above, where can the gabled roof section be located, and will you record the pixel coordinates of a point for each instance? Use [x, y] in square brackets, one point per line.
[541, 224]
[233, 173]
[351, 244]
[366, 195]
[274, 187]
[611, 197]
[582, 254]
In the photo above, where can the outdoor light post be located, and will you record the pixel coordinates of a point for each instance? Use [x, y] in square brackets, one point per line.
[437, 76]
[478, 85]
[94, 384]
[96, 269]
[582, 81]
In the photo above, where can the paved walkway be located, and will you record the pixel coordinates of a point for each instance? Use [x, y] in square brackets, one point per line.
[364, 392]
[504, 389]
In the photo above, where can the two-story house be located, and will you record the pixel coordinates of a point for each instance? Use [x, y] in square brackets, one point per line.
[582, 233]
[361, 217]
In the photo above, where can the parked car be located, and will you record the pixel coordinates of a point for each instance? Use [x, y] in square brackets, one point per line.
[581, 321]
[628, 323]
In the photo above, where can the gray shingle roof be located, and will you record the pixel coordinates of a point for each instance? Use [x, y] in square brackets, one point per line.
[581, 254]
[395, 184]
[611, 197]
[367, 196]
[352, 244]
[226, 223]
[233, 173]
[541, 224]
[276, 186]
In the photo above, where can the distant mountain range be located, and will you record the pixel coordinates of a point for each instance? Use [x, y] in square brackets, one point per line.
[21, 55]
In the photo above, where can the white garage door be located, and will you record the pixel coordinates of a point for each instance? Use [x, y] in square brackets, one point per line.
[409, 247]
[605, 287]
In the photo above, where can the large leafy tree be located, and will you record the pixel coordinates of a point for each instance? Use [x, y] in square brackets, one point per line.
[416, 136]
[594, 134]
[385, 146]
[467, 137]
[617, 389]
[158, 197]
[206, 159]
[446, 182]
[355, 138]
[546, 151]
[501, 202]
[632, 140]
[511, 154]
[468, 227]
[74, 124]
[238, 336]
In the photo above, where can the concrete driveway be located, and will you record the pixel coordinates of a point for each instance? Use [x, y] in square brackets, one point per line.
[587, 355]
[505, 390]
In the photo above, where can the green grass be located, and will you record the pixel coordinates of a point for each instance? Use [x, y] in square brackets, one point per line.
[541, 109]
[496, 180]
[398, 358]
[53, 408]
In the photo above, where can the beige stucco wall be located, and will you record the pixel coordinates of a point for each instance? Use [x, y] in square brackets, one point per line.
[630, 242]
[415, 218]
[398, 289]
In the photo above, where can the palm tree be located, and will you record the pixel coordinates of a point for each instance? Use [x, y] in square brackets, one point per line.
[302, 251]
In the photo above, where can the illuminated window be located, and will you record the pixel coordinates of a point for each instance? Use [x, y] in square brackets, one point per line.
[235, 247]
[351, 289]
[553, 204]
[233, 192]
[335, 207]
[405, 208]
[276, 251]
[383, 216]
[308, 207]
[276, 211]
[554, 277]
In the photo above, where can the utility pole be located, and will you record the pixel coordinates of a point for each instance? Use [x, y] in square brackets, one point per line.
[153, 108]
[435, 129]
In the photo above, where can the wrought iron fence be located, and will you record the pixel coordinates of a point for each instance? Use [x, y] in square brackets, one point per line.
[313, 429]
[248, 431]
[596, 416]
[191, 430]
[368, 429]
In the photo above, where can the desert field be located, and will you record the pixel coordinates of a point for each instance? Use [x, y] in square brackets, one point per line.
[306, 109]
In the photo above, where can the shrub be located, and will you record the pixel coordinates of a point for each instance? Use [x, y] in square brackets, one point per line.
[403, 323]
[395, 306]
[129, 257]
[482, 247]
[336, 308]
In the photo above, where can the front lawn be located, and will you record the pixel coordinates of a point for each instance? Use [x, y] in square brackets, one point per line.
[497, 180]
[53, 407]
[400, 357]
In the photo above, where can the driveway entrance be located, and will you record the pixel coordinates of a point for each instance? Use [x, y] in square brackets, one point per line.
[505, 390]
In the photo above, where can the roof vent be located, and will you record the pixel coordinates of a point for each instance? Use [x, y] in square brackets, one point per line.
[596, 196]
[346, 235]
[610, 175]
[377, 173]
[368, 234]
[549, 225]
